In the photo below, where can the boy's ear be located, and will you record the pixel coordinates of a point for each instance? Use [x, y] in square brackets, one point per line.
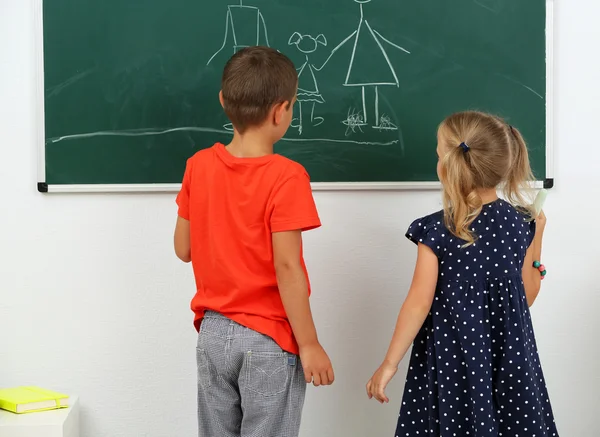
[294, 39]
[221, 99]
[279, 111]
[321, 39]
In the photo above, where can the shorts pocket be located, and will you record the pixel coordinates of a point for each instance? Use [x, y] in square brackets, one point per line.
[268, 373]
[204, 378]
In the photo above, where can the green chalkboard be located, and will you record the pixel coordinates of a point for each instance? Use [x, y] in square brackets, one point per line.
[131, 86]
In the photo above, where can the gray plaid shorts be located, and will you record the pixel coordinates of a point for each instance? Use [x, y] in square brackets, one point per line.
[247, 385]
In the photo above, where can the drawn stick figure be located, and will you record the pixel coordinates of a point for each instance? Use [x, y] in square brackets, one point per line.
[369, 54]
[308, 87]
[243, 36]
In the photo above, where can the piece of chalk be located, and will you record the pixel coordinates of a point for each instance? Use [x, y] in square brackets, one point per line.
[538, 204]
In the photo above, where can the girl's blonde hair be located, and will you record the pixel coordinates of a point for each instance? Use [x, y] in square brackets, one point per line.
[495, 156]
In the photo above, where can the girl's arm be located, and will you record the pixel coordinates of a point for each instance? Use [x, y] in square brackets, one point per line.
[532, 280]
[410, 320]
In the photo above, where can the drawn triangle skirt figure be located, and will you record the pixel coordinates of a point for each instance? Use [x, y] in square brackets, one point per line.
[369, 64]
[369, 68]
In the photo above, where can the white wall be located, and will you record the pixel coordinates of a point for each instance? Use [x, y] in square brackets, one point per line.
[92, 300]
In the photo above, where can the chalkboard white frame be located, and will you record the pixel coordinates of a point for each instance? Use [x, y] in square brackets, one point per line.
[317, 186]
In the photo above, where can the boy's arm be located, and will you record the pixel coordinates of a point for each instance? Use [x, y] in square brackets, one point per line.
[293, 289]
[294, 211]
[182, 227]
[182, 240]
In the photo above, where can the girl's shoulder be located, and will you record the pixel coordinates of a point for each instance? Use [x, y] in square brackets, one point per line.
[431, 231]
[435, 220]
[497, 219]
[509, 221]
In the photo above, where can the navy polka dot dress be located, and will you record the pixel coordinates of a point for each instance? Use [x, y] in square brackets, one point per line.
[474, 369]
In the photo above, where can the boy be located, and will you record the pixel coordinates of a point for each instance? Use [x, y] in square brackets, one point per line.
[242, 210]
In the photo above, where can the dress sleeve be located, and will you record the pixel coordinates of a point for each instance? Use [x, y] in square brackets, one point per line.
[429, 231]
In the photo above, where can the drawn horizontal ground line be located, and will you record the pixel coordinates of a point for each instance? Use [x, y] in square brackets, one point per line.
[149, 132]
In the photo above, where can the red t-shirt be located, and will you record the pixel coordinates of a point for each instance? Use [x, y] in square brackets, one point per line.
[233, 206]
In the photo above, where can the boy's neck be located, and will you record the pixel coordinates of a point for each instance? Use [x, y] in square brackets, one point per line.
[252, 144]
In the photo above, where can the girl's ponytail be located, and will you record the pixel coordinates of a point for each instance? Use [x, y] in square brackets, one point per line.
[461, 200]
[492, 155]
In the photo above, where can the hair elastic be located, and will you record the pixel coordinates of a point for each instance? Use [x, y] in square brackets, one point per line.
[464, 146]
[512, 130]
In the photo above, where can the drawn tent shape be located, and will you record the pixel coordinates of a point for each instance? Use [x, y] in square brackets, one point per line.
[245, 26]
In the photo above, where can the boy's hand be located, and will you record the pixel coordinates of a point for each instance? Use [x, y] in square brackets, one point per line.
[379, 381]
[316, 364]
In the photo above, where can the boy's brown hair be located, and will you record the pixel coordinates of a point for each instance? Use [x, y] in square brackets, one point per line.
[254, 80]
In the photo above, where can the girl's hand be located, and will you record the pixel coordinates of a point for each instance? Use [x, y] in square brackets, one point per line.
[378, 382]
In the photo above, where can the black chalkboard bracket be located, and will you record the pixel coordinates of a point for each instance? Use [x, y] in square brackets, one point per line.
[549, 183]
[42, 187]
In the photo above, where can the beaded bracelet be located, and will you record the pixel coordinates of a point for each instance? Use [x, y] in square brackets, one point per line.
[538, 265]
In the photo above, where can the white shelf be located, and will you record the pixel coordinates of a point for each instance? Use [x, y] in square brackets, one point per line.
[53, 423]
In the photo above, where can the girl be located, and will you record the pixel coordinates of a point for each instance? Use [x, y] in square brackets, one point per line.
[474, 369]
[308, 87]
